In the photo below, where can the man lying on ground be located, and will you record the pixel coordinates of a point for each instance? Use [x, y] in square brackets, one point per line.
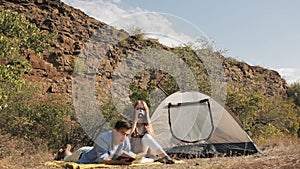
[107, 147]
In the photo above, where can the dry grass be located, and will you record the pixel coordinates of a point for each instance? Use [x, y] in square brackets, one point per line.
[275, 153]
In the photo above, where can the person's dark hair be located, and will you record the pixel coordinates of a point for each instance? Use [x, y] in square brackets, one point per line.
[120, 124]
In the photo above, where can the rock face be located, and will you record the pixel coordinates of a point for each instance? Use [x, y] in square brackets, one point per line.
[54, 71]
[269, 82]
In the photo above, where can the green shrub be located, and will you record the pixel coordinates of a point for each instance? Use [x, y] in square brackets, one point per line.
[263, 117]
[136, 32]
[18, 38]
[294, 92]
[23, 112]
[193, 60]
[23, 34]
[33, 117]
[111, 114]
[137, 93]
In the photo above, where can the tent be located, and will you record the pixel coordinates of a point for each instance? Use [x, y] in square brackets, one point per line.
[192, 124]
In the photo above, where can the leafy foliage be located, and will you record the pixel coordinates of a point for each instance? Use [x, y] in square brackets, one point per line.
[111, 114]
[263, 117]
[34, 118]
[294, 92]
[22, 34]
[191, 58]
[10, 83]
[139, 94]
[18, 38]
[23, 112]
[137, 32]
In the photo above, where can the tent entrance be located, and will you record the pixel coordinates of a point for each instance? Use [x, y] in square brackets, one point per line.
[191, 121]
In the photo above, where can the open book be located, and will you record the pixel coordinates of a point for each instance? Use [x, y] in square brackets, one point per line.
[132, 157]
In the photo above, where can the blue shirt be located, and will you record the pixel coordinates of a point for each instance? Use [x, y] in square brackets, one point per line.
[104, 148]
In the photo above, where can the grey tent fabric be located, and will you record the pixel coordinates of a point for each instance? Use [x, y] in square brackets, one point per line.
[194, 123]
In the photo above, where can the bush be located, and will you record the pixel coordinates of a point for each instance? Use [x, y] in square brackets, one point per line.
[263, 117]
[18, 38]
[294, 92]
[36, 118]
[23, 34]
[23, 112]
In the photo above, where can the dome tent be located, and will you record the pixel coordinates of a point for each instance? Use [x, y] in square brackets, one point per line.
[195, 125]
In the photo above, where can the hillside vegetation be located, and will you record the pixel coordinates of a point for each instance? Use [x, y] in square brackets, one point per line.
[37, 59]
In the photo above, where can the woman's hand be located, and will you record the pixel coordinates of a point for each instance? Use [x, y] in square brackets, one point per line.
[149, 129]
[136, 115]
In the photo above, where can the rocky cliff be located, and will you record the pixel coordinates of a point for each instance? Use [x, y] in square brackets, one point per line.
[54, 70]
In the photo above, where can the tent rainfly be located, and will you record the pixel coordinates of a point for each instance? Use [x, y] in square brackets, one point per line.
[192, 124]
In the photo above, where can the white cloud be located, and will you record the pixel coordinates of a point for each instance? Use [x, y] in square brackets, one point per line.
[154, 25]
[105, 11]
[291, 75]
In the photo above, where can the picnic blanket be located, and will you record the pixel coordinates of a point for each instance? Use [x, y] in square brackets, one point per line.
[88, 166]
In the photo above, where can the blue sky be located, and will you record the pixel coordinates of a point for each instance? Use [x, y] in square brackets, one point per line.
[259, 32]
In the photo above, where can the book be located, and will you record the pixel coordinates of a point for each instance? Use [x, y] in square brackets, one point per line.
[131, 156]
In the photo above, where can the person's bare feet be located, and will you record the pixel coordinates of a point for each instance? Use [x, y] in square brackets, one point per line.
[68, 150]
[63, 152]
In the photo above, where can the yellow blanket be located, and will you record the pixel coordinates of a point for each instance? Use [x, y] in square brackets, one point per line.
[88, 166]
